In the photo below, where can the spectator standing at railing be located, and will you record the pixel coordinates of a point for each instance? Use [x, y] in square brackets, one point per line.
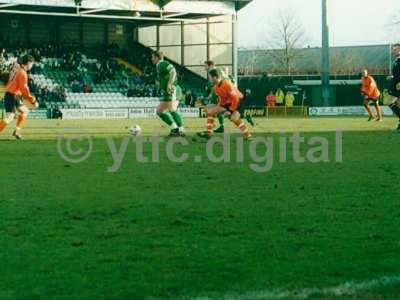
[289, 99]
[280, 97]
[386, 98]
[189, 99]
[271, 99]
[32, 87]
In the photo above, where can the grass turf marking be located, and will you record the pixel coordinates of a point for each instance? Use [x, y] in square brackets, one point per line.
[346, 289]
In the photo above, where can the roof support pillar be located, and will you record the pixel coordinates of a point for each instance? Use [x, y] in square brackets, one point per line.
[325, 55]
[158, 37]
[182, 43]
[208, 39]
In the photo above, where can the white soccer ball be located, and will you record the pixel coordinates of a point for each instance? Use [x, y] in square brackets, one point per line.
[135, 130]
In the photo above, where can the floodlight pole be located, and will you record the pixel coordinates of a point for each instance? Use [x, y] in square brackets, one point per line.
[325, 56]
[235, 55]
[390, 58]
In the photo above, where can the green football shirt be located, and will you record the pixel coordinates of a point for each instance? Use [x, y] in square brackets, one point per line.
[163, 73]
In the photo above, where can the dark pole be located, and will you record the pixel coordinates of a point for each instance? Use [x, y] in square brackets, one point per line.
[325, 56]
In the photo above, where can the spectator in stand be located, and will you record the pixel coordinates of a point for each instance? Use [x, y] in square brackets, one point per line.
[5, 66]
[75, 86]
[2, 56]
[87, 88]
[32, 86]
[289, 99]
[137, 80]
[44, 95]
[36, 53]
[80, 72]
[57, 114]
[76, 59]
[98, 66]
[60, 93]
[271, 99]
[280, 97]
[55, 64]
[131, 92]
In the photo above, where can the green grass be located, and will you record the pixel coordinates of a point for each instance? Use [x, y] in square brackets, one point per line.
[180, 230]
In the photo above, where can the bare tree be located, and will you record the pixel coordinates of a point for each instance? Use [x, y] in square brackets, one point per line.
[392, 27]
[286, 37]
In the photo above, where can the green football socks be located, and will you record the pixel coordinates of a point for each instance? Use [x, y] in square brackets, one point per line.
[167, 118]
[176, 116]
[221, 120]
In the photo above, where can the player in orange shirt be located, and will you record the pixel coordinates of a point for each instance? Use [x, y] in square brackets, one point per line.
[229, 102]
[17, 90]
[371, 93]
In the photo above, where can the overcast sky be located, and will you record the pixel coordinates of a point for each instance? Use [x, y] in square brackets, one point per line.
[351, 22]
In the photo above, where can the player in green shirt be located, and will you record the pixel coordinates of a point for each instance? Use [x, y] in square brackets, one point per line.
[167, 110]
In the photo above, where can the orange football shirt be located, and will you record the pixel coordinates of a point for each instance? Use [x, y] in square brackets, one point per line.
[369, 87]
[18, 83]
[228, 94]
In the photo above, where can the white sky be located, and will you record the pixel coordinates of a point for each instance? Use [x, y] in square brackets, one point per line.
[351, 22]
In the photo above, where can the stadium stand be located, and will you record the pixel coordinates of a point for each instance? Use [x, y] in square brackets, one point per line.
[112, 44]
[64, 77]
[72, 80]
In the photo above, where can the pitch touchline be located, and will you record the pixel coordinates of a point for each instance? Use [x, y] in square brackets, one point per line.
[348, 288]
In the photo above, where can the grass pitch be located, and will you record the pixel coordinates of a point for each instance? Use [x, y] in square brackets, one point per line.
[188, 230]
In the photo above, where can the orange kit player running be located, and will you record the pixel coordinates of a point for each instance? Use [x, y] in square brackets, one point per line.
[17, 88]
[229, 102]
[371, 93]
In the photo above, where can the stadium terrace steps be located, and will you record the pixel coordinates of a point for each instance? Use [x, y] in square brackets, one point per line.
[109, 100]
[129, 66]
[43, 81]
[52, 77]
